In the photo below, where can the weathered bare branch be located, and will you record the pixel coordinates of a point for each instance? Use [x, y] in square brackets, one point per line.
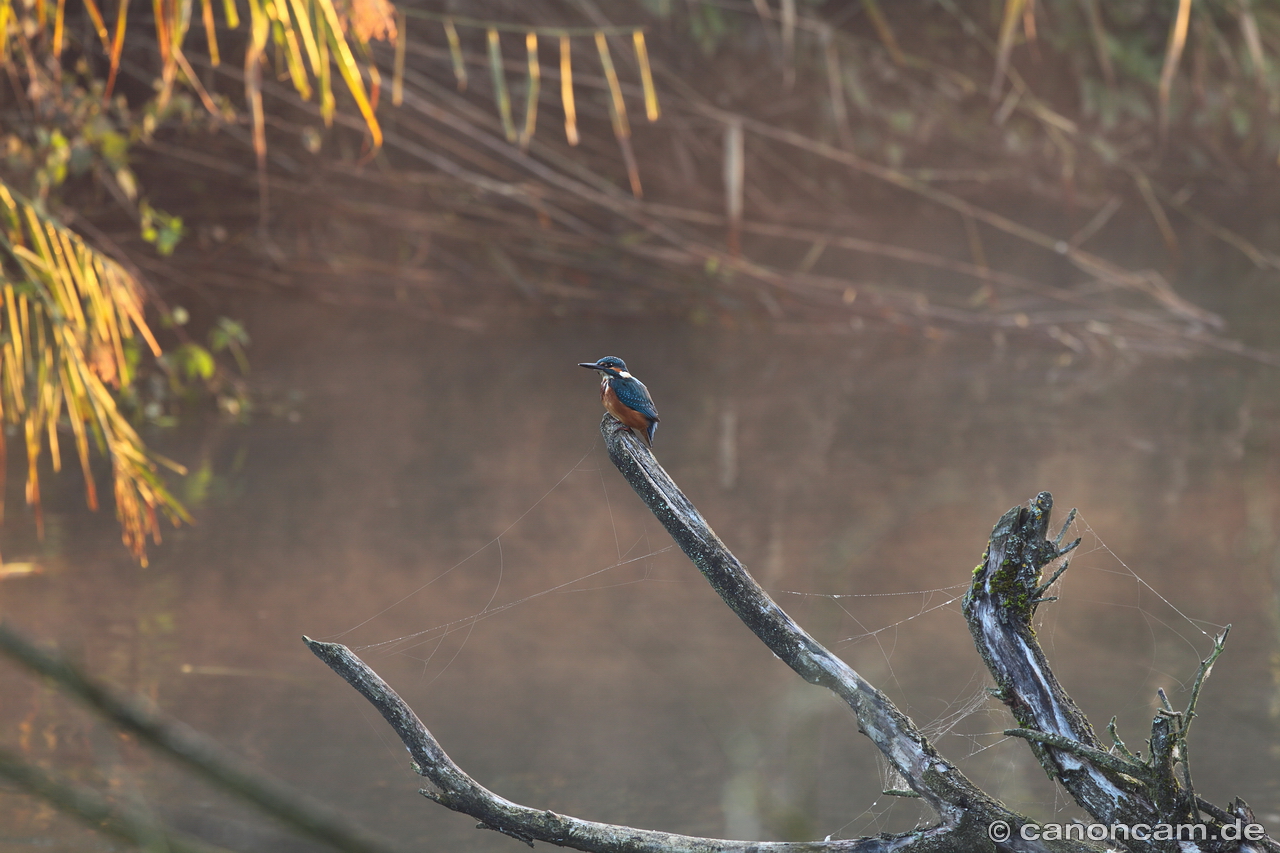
[195, 751]
[908, 751]
[115, 819]
[1115, 788]
[966, 813]
[454, 789]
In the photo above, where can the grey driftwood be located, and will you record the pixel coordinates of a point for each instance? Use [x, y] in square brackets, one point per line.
[1112, 784]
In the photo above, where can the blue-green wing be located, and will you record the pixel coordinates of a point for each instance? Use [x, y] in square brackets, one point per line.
[632, 394]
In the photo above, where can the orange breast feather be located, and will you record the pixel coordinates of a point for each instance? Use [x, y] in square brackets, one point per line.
[630, 417]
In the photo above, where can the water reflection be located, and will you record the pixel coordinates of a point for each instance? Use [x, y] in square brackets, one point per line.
[432, 475]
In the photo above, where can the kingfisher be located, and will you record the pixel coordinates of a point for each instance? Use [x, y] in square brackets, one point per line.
[625, 397]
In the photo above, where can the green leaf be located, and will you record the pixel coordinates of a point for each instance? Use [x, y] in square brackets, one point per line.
[227, 333]
[194, 361]
[115, 149]
[159, 228]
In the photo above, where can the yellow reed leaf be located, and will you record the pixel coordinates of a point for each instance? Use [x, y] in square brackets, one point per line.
[6, 12]
[210, 31]
[397, 80]
[349, 70]
[1172, 54]
[59, 19]
[617, 106]
[532, 86]
[306, 27]
[566, 93]
[455, 54]
[1008, 29]
[500, 94]
[117, 47]
[646, 77]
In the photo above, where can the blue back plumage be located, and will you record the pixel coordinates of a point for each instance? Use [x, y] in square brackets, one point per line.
[632, 394]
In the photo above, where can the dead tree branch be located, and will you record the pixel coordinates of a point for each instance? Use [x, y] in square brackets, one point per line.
[965, 813]
[195, 751]
[908, 751]
[1116, 787]
[455, 790]
[88, 806]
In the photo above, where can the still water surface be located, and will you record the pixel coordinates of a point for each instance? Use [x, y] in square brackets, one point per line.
[414, 476]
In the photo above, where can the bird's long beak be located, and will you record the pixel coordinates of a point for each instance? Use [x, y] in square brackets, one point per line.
[590, 365]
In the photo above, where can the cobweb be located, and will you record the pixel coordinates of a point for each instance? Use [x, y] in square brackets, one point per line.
[970, 725]
[882, 634]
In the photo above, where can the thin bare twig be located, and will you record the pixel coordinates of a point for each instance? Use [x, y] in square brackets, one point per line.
[194, 750]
